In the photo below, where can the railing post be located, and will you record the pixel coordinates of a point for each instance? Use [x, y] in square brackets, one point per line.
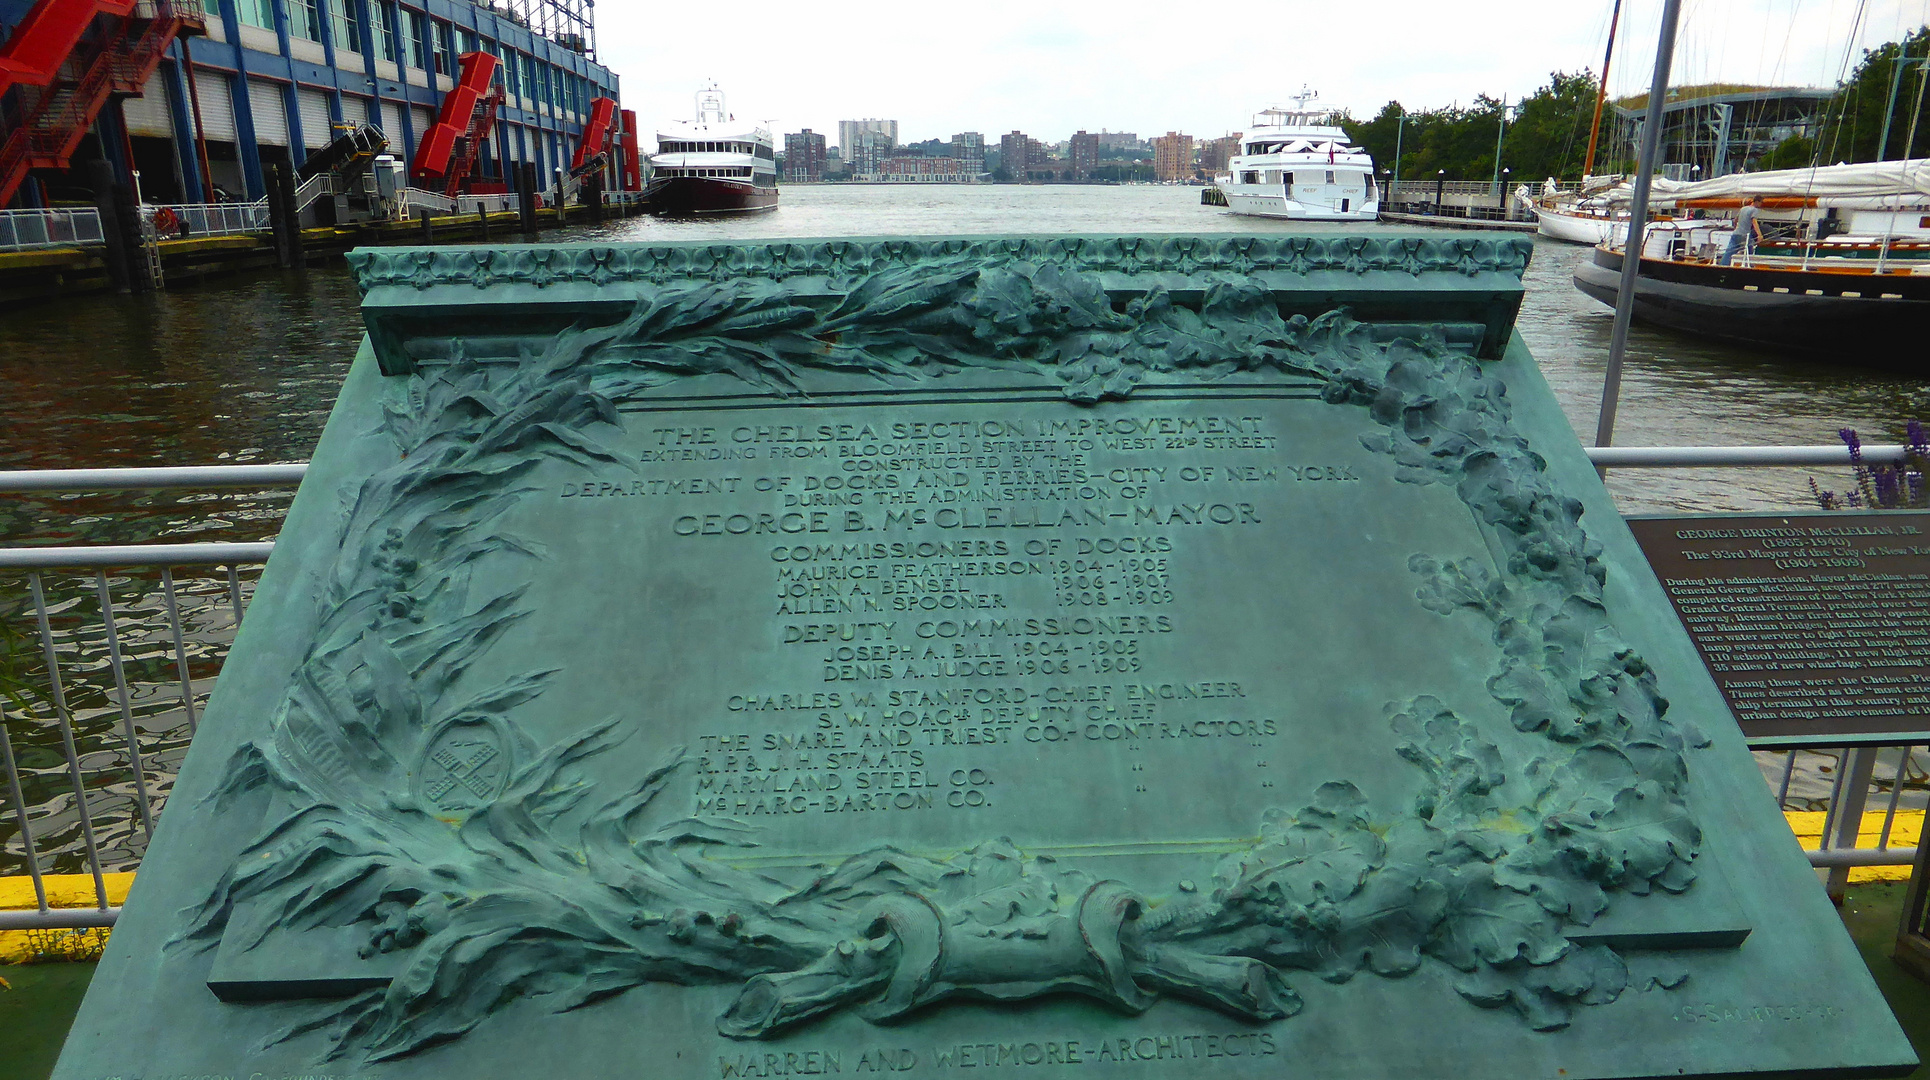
[1858, 765]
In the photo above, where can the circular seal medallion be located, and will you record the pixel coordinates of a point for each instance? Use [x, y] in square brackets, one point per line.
[464, 767]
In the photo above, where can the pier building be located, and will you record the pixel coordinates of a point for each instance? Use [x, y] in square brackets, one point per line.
[1714, 131]
[203, 98]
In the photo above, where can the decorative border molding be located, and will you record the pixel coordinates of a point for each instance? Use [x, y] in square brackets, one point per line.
[844, 260]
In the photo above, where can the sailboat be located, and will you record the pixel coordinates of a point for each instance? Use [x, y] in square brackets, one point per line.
[1850, 282]
[1587, 216]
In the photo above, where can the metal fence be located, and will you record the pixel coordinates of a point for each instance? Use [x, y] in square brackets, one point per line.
[141, 644]
[494, 204]
[216, 219]
[25, 230]
[101, 694]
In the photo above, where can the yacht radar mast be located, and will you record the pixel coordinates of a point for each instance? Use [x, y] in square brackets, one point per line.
[710, 106]
[1300, 115]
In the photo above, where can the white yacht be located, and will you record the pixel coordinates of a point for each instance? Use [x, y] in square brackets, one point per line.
[715, 165]
[1294, 164]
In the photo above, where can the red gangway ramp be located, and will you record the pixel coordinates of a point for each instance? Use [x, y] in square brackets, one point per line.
[458, 115]
[602, 111]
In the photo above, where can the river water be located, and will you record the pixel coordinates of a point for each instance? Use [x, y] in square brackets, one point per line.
[246, 368]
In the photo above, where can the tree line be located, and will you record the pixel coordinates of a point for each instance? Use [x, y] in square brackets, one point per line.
[1546, 134]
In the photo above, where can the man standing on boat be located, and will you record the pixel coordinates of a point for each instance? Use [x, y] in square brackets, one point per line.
[1747, 230]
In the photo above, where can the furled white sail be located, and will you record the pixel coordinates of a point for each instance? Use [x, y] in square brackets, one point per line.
[1864, 185]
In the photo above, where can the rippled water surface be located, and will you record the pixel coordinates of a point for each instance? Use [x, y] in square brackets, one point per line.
[245, 370]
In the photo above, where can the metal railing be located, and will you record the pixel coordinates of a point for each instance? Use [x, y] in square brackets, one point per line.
[494, 204]
[208, 608]
[143, 651]
[235, 219]
[1422, 189]
[435, 202]
[25, 230]
[215, 219]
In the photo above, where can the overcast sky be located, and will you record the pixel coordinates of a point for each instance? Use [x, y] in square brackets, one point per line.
[1049, 68]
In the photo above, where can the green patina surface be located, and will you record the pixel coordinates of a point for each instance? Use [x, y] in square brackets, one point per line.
[893, 655]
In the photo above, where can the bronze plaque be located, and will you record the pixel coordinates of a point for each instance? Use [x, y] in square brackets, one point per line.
[1816, 627]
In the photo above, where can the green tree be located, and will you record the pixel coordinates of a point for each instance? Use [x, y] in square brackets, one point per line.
[1795, 152]
[1853, 124]
[1546, 136]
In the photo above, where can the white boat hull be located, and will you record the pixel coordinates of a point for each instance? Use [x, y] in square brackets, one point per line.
[1579, 228]
[1257, 202]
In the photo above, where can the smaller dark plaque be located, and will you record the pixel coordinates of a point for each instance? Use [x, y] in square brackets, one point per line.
[1816, 627]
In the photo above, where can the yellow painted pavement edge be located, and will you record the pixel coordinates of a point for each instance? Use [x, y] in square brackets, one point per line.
[63, 891]
[77, 890]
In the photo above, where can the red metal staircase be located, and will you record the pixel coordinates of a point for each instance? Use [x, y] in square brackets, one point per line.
[67, 58]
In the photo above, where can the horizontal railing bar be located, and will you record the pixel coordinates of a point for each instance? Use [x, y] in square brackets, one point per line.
[125, 556]
[1655, 457]
[59, 918]
[211, 476]
[186, 476]
[1895, 856]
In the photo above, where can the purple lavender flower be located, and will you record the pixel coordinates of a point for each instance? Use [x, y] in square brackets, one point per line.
[1885, 480]
[1865, 483]
[1827, 500]
[1919, 442]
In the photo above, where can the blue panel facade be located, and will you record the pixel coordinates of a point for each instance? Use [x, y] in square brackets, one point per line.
[414, 33]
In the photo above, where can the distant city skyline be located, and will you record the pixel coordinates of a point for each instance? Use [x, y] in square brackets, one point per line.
[1052, 70]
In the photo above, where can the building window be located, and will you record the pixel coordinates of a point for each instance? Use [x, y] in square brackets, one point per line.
[512, 84]
[305, 20]
[419, 39]
[384, 15]
[445, 48]
[385, 24]
[468, 40]
[341, 22]
[529, 77]
[259, 13]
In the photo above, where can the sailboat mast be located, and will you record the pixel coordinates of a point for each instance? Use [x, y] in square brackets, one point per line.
[1595, 127]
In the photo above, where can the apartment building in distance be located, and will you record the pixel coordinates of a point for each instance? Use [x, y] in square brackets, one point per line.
[848, 133]
[1021, 156]
[1173, 157]
[1119, 140]
[867, 150]
[803, 157]
[923, 170]
[1082, 153]
[969, 148]
[1015, 153]
[1216, 155]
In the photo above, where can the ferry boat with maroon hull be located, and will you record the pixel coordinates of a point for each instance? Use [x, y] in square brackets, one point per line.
[713, 165]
